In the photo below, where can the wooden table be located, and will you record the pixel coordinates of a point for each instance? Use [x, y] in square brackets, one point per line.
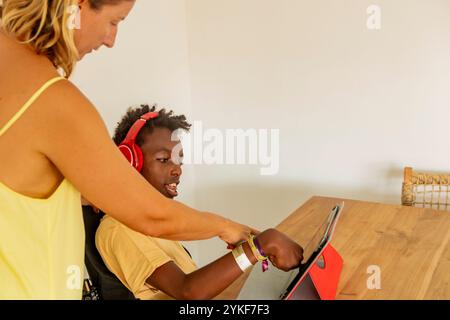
[410, 246]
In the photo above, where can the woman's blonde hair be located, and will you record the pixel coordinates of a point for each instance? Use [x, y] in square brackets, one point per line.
[48, 26]
[44, 25]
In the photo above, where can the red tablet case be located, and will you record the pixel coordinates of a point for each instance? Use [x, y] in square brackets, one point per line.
[325, 278]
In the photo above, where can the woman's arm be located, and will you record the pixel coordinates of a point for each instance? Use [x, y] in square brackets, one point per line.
[74, 138]
[211, 280]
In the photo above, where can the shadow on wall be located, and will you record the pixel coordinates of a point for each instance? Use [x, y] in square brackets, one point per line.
[276, 203]
[265, 205]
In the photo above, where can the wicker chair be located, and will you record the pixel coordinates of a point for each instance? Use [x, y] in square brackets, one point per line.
[426, 190]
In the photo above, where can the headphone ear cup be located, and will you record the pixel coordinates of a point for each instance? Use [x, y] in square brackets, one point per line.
[138, 158]
[127, 152]
[129, 148]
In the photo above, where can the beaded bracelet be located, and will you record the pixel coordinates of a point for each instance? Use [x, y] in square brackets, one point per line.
[258, 252]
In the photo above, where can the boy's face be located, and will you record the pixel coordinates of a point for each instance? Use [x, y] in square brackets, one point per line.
[159, 168]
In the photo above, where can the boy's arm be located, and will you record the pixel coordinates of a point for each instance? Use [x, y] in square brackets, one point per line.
[202, 284]
[209, 281]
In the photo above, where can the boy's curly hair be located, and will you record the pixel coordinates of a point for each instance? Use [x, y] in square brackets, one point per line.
[165, 120]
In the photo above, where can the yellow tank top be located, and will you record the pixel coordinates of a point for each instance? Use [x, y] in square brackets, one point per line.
[41, 240]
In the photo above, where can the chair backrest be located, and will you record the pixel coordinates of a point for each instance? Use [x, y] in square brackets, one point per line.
[426, 190]
[108, 285]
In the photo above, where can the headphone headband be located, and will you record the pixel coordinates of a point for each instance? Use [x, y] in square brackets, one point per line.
[137, 127]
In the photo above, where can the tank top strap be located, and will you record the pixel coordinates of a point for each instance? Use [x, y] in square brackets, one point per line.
[29, 103]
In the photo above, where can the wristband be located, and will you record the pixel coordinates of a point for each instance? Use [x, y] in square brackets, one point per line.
[258, 252]
[241, 258]
[256, 249]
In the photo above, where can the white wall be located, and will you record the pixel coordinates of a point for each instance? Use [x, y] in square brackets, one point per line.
[353, 106]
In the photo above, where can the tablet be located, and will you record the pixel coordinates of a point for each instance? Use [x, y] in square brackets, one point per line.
[313, 250]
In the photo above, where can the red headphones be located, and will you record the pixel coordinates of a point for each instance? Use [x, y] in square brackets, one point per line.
[129, 148]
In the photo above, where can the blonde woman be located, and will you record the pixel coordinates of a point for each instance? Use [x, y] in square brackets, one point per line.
[54, 146]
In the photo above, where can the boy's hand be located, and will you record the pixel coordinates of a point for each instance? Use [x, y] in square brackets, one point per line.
[284, 253]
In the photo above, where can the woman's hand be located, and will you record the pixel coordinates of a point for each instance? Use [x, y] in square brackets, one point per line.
[235, 233]
[284, 253]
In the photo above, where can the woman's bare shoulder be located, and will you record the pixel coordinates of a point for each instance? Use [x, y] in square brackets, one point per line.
[67, 99]
[21, 76]
[67, 107]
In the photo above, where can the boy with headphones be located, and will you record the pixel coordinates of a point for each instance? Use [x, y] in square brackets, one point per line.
[153, 268]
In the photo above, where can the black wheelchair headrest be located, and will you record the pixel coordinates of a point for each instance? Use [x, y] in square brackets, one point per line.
[108, 285]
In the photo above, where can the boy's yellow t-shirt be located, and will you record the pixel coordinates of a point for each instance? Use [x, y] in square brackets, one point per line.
[133, 257]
